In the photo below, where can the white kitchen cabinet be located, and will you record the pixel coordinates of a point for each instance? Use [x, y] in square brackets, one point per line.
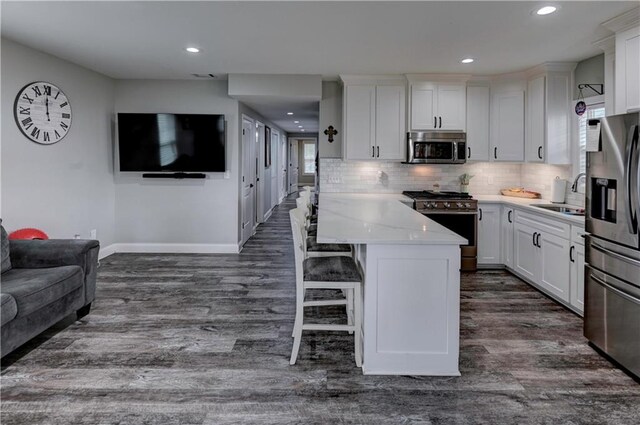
[489, 234]
[548, 116]
[478, 104]
[374, 119]
[437, 106]
[576, 257]
[553, 253]
[506, 235]
[627, 71]
[507, 126]
[525, 255]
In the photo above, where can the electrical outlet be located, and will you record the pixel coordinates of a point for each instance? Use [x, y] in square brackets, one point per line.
[76, 236]
[93, 234]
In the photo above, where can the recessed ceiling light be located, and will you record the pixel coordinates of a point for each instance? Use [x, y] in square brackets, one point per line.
[296, 122]
[299, 126]
[467, 60]
[289, 113]
[192, 50]
[302, 129]
[546, 10]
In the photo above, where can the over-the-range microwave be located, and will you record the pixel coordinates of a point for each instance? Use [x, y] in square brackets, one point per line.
[432, 147]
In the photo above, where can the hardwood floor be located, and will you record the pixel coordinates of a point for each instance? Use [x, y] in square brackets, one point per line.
[205, 339]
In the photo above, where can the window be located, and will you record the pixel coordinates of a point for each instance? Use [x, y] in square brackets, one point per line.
[309, 153]
[594, 110]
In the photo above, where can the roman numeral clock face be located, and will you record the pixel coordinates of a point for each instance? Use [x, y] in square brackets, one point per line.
[43, 113]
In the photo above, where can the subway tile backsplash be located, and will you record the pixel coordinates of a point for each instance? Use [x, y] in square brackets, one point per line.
[337, 175]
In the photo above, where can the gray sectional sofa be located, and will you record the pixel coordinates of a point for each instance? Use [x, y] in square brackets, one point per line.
[42, 282]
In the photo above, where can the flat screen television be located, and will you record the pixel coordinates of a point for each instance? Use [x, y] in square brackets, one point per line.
[171, 142]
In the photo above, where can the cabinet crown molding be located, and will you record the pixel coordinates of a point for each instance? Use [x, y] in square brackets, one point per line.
[439, 78]
[606, 44]
[372, 79]
[623, 22]
[551, 67]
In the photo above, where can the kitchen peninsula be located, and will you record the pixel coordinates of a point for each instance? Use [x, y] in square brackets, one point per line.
[411, 268]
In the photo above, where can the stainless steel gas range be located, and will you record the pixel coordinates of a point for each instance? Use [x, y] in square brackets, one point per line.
[457, 212]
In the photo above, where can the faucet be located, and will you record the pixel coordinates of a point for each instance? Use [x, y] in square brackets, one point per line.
[574, 186]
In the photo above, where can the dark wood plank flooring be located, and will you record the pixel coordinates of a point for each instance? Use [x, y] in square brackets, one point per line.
[205, 339]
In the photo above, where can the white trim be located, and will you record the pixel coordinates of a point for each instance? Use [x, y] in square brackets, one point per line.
[177, 248]
[107, 251]
[268, 214]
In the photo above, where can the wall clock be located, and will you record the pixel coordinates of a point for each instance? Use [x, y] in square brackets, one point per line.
[42, 112]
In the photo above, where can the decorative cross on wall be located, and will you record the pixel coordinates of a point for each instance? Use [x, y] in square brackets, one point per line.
[330, 131]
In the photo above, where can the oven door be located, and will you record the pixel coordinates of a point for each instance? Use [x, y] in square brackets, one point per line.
[464, 224]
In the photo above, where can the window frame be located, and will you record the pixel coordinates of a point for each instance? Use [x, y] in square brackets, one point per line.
[575, 130]
[304, 168]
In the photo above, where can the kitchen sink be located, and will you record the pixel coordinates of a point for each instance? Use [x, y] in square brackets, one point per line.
[564, 209]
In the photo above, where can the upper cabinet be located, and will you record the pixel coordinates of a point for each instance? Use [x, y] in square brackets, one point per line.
[627, 61]
[548, 111]
[507, 125]
[478, 123]
[437, 105]
[374, 118]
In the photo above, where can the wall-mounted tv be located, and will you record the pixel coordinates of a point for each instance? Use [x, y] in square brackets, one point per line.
[171, 142]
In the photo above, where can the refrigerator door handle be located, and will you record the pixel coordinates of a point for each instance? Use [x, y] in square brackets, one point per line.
[632, 146]
[615, 290]
[614, 254]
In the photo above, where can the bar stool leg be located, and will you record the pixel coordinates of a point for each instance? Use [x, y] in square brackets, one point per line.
[297, 327]
[349, 308]
[357, 294]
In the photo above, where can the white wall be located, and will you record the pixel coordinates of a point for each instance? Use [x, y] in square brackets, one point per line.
[330, 114]
[166, 211]
[65, 188]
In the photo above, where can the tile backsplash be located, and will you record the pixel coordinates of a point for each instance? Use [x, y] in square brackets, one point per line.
[337, 175]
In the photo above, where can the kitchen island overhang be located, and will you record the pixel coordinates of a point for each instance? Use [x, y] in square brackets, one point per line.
[411, 267]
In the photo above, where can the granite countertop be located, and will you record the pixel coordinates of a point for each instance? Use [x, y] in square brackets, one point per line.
[528, 204]
[373, 218]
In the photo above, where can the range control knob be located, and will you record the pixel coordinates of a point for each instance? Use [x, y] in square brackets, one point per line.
[427, 205]
[459, 204]
[467, 205]
[446, 205]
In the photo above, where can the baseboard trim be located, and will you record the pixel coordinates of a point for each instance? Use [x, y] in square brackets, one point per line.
[177, 248]
[107, 251]
[267, 216]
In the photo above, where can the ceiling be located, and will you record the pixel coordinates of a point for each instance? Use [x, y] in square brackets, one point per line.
[146, 40]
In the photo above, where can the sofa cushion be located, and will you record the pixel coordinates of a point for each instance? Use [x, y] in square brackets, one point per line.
[4, 247]
[8, 308]
[35, 288]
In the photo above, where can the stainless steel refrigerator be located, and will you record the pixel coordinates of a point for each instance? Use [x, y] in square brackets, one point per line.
[612, 273]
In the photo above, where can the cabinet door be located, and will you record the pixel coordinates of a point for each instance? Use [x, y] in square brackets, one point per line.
[390, 119]
[627, 69]
[555, 265]
[525, 256]
[478, 123]
[506, 234]
[360, 121]
[452, 107]
[577, 277]
[423, 97]
[507, 126]
[534, 142]
[489, 234]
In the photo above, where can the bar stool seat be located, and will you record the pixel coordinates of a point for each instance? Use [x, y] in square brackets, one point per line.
[333, 248]
[331, 269]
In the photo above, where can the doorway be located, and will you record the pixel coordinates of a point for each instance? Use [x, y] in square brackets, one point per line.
[248, 179]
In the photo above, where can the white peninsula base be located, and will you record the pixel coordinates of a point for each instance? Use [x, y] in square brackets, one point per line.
[411, 265]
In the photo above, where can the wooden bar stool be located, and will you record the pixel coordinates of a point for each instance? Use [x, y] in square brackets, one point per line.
[334, 273]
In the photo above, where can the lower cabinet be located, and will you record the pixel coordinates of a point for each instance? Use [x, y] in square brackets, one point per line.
[576, 257]
[554, 265]
[506, 236]
[489, 234]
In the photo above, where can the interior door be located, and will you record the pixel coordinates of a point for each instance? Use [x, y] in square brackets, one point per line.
[293, 166]
[275, 166]
[248, 180]
[282, 163]
[261, 184]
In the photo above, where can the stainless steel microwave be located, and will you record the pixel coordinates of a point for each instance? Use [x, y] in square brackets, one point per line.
[432, 147]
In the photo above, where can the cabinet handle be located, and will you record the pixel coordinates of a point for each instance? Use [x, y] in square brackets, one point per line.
[378, 147]
[435, 122]
[571, 253]
[538, 240]
[495, 153]
[440, 118]
[509, 216]
[480, 214]
[373, 151]
[469, 148]
[534, 238]
[540, 152]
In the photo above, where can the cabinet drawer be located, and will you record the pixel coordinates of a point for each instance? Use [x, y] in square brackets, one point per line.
[577, 235]
[545, 224]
